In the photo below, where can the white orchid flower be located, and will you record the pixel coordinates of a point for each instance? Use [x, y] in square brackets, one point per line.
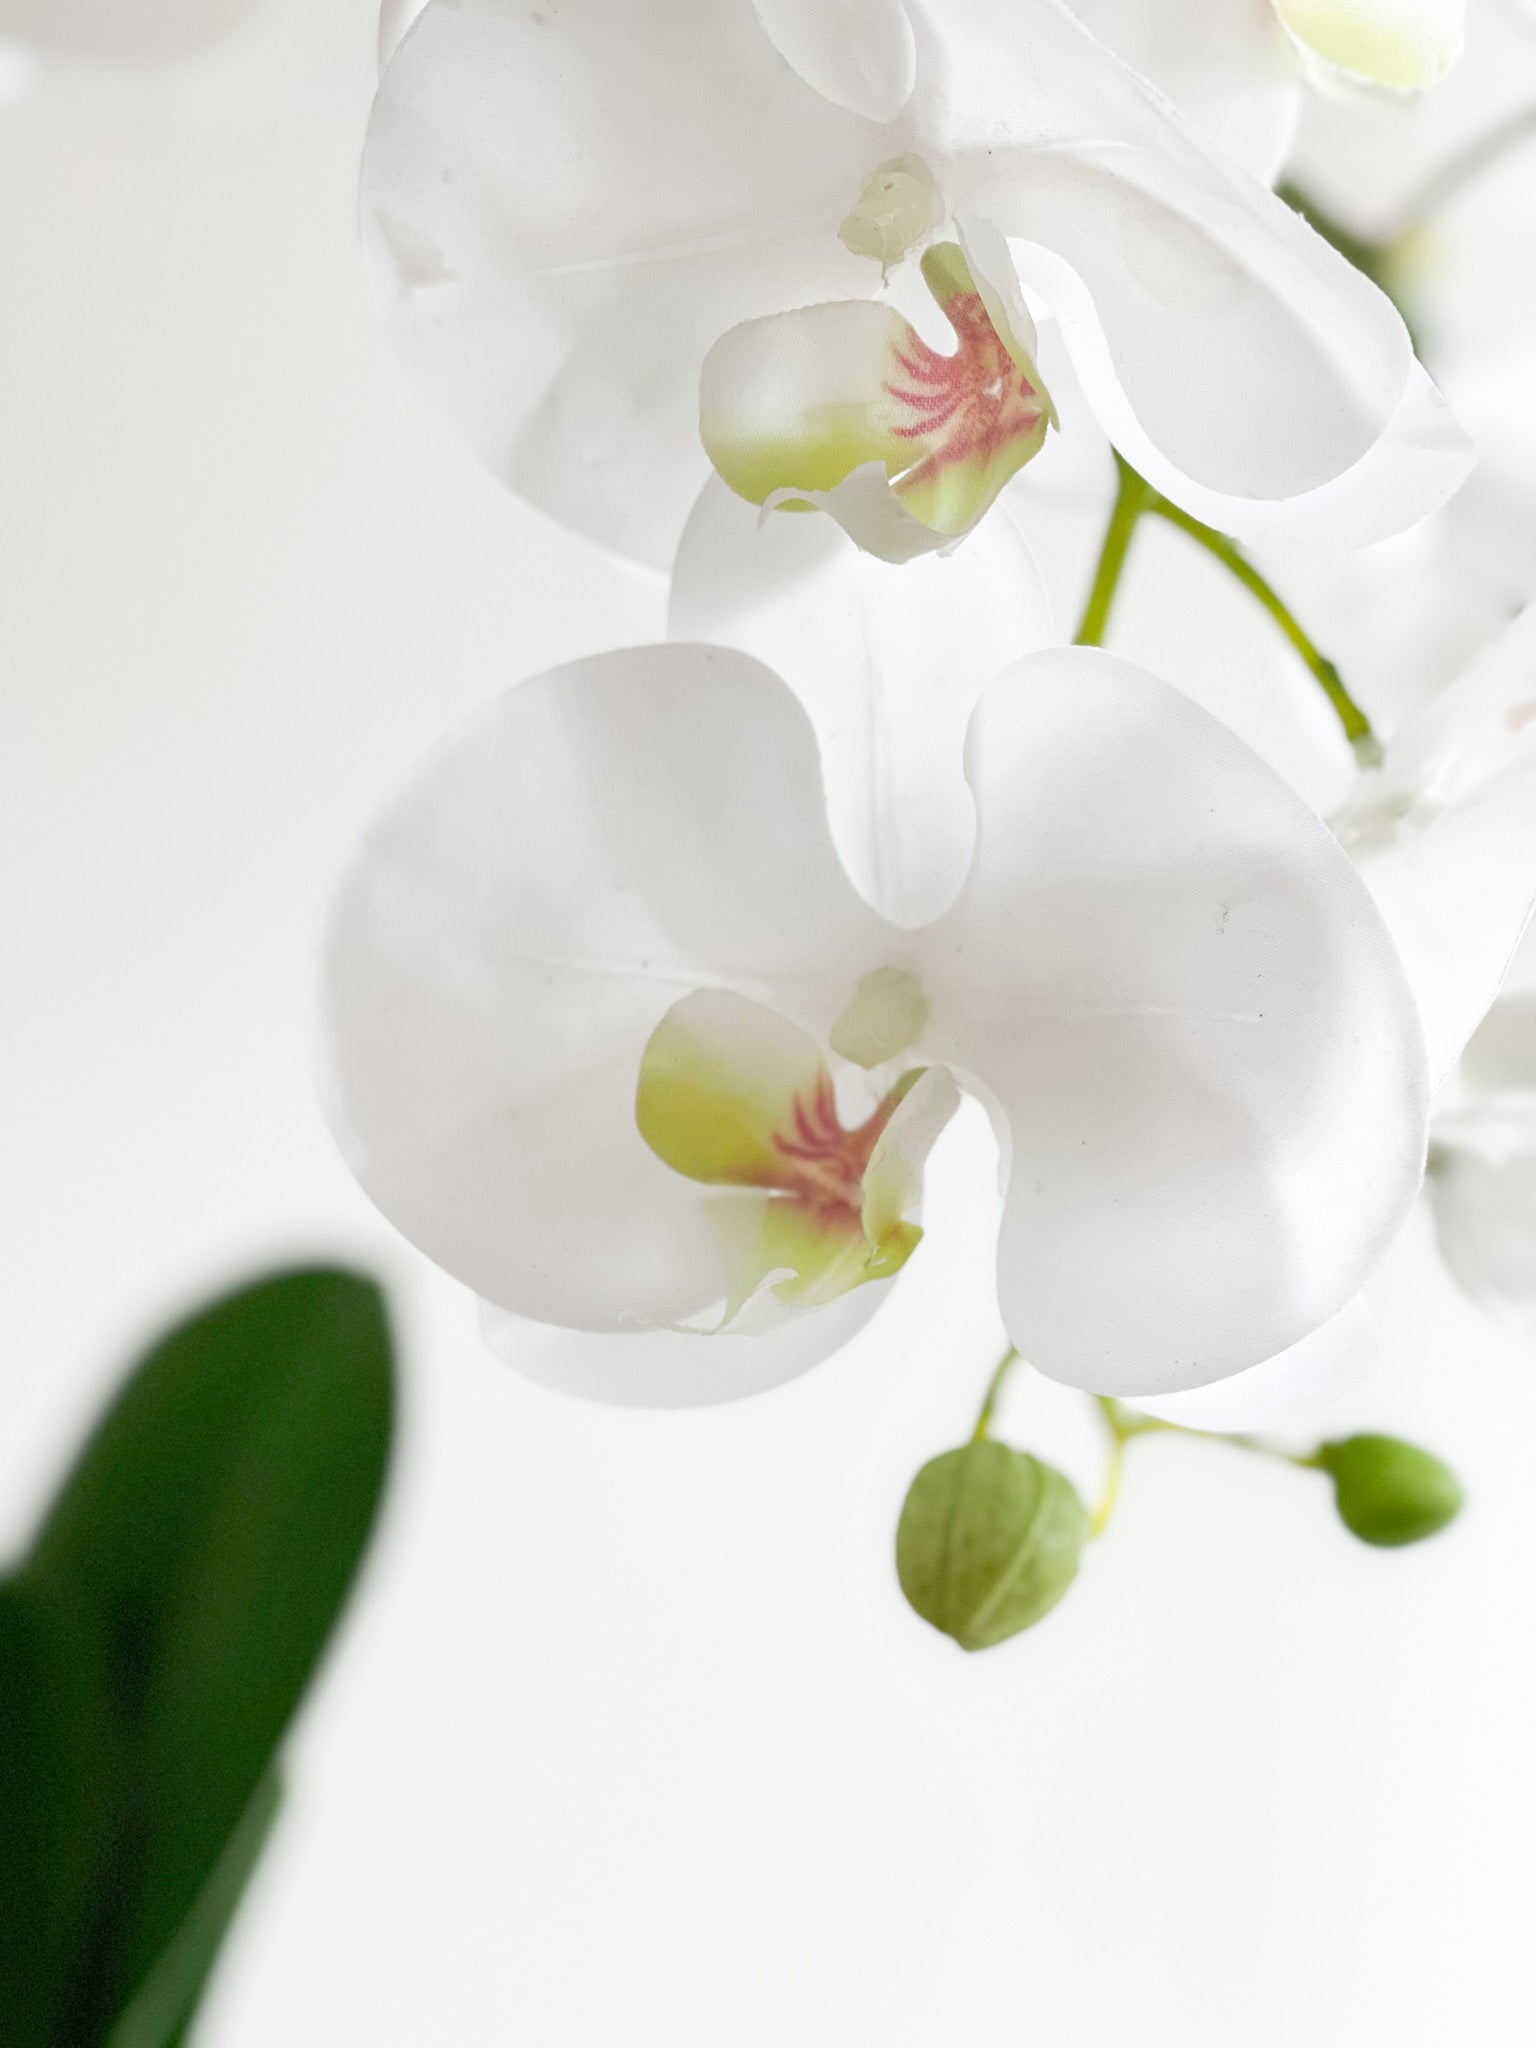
[118, 28]
[568, 206]
[1482, 1178]
[889, 666]
[616, 1040]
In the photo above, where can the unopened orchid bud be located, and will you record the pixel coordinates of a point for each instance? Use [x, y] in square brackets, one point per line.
[989, 1540]
[1390, 1493]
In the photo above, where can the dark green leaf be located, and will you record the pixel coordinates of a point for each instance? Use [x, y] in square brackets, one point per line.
[55, 1816]
[989, 1540]
[208, 1535]
[168, 1997]
[1388, 1492]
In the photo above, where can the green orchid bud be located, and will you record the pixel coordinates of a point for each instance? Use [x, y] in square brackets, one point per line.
[1388, 1492]
[989, 1540]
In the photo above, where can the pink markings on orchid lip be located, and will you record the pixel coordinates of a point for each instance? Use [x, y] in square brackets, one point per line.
[972, 403]
[824, 1164]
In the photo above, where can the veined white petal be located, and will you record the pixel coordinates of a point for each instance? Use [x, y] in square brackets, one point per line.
[564, 208]
[1402, 44]
[1398, 461]
[1226, 66]
[1322, 1368]
[1445, 835]
[671, 1368]
[119, 28]
[857, 53]
[595, 845]
[1175, 988]
[888, 663]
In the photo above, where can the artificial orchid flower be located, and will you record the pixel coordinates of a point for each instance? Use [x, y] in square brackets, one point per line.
[565, 217]
[889, 665]
[614, 1038]
[118, 28]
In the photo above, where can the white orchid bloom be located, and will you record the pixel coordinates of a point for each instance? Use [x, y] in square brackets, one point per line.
[568, 207]
[118, 28]
[889, 666]
[615, 1039]
[1482, 1179]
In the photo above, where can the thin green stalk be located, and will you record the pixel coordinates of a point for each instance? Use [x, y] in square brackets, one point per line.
[1136, 499]
[1357, 727]
[1111, 1488]
[1005, 1365]
[1133, 497]
[1123, 1424]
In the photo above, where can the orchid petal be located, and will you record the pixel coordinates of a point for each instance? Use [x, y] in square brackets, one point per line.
[596, 844]
[793, 406]
[888, 663]
[1236, 470]
[857, 53]
[733, 1094]
[1175, 989]
[1202, 313]
[1312, 1374]
[1228, 68]
[562, 216]
[1482, 1195]
[893, 1180]
[676, 1369]
[1403, 44]
[395, 19]
[1445, 835]
[719, 1080]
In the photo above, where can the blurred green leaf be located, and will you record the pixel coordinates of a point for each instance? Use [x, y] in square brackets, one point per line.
[989, 1540]
[162, 2010]
[1389, 1492]
[205, 1542]
[55, 1830]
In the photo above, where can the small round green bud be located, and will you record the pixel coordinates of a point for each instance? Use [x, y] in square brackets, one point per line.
[1388, 1492]
[989, 1540]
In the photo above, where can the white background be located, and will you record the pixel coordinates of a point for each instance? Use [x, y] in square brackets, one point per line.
[630, 1738]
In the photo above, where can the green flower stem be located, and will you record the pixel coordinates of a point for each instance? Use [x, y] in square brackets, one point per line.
[1005, 1365]
[1110, 1491]
[1357, 727]
[1133, 497]
[1124, 1424]
[1134, 500]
